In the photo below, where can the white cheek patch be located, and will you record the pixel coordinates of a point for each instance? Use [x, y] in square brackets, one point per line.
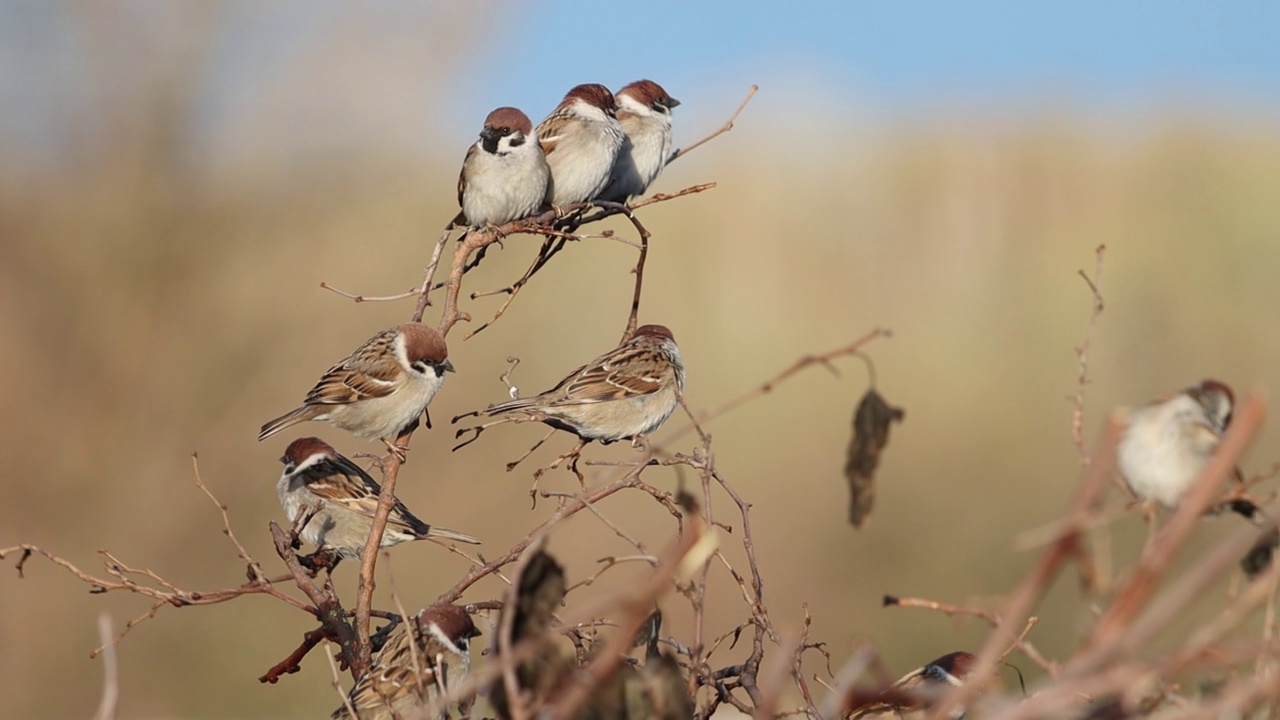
[438, 634]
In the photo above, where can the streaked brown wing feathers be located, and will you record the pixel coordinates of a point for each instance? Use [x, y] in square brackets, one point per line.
[369, 372]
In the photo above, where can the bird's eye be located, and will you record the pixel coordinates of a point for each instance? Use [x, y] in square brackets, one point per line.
[505, 131]
[933, 672]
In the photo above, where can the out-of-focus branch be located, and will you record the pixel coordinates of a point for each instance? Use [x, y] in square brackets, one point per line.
[1141, 583]
[111, 680]
[1068, 546]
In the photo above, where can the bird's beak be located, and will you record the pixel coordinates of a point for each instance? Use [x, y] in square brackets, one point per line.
[448, 366]
[671, 103]
[489, 134]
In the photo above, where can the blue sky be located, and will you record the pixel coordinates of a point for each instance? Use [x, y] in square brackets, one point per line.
[912, 54]
[881, 59]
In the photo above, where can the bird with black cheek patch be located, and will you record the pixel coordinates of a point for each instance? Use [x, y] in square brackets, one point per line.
[346, 497]
[380, 389]
[505, 174]
[580, 139]
[915, 693]
[422, 660]
[644, 112]
[625, 393]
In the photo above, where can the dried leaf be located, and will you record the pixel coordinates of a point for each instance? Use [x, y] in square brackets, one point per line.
[870, 435]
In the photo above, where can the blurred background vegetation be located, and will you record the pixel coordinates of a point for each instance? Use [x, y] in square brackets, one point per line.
[176, 181]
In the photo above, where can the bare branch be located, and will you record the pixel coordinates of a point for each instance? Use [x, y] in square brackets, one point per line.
[728, 125]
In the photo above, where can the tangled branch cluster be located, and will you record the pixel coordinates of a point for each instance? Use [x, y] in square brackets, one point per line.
[1112, 673]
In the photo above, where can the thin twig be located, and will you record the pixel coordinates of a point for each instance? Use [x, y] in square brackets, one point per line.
[1082, 355]
[728, 125]
[768, 386]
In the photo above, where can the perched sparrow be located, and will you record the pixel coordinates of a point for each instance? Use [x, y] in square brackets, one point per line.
[581, 139]
[644, 111]
[1169, 441]
[916, 691]
[380, 389]
[659, 688]
[402, 683]
[505, 175]
[315, 472]
[628, 391]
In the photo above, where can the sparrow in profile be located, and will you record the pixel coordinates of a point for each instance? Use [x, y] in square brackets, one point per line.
[315, 474]
[629, 391]
[504, 176]
[581, 139]
[380, 389]
[1169, 441]
[408, 682]
[914, 693]
[644, 112]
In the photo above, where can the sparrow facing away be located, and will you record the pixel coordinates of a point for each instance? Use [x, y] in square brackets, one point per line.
[1169, 441]
[915, 692]
[380, 389]
[504, 176]
[644, 112]
[316, 473]
[657, 690]
[629, 391]
[581, 139]
[400, 685]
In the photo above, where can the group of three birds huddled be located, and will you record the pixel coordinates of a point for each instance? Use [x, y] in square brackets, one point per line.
[593, 146]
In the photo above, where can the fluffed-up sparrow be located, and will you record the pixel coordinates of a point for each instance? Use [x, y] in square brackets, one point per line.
[504, 176]
[1169, 441]
[581, 139]
[409, 682]
[317, 475]
[380, 389]
[644, 112]
[629, 391]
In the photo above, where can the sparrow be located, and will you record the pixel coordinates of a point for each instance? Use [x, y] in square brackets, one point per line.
[644, 112]
[629, 391]
[913, 694]
[504, 176]
[402, 683]
[657, 690]
[380, 389]
[581, 139]
[314, 473]
[1169, 441]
